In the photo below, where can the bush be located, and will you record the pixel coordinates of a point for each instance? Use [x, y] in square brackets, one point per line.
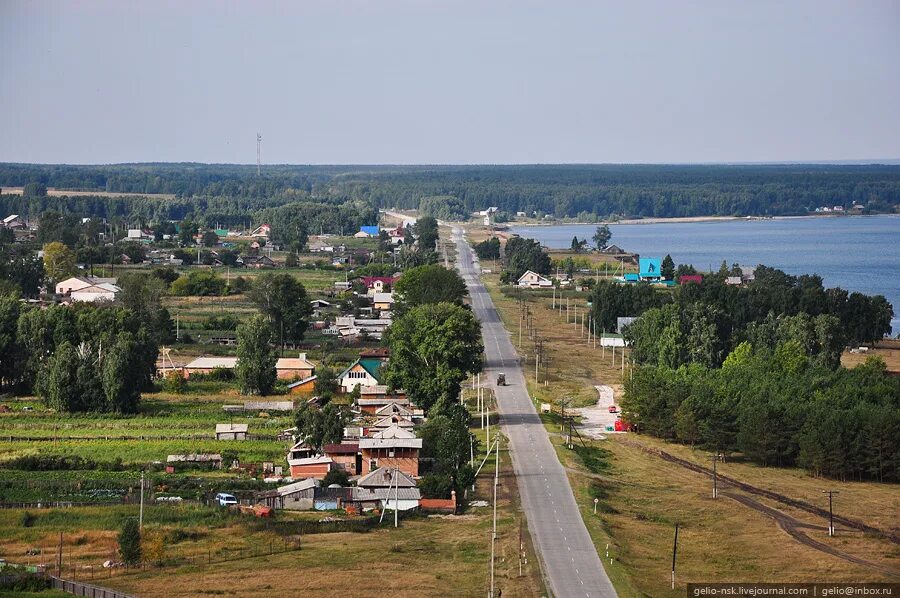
[130, 542]
[28, 519]
[436, 486]
[174, 382]
[24, 582]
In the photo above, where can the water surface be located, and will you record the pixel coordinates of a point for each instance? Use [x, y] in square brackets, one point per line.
[857, 253]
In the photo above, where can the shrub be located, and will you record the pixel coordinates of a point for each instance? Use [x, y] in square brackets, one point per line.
[130, 542]
[174, 382]
[28, 519]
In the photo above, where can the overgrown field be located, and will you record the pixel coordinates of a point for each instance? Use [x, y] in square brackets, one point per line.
[425, 556]
[641, 496]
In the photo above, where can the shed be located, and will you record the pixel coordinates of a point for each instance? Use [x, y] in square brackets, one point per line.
[231, 431]
[294, 496]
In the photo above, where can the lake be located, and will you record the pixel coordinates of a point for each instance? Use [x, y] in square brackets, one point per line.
[857, 253]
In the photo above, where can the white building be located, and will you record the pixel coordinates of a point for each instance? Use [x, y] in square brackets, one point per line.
[533, 280]
[76, 283]
[104, 291]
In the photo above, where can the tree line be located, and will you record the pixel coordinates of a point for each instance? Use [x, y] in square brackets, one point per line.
[723, 315]
[777, 406]
[585, 192]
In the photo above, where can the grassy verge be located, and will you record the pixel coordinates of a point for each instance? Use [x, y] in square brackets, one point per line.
[641, 497]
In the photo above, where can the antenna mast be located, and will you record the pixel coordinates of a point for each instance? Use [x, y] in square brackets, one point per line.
[258, 144]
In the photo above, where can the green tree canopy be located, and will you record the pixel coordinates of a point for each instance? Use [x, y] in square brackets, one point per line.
[431, 283]
[283, 300]
[602, 236]
[434, 347]
[256, 357]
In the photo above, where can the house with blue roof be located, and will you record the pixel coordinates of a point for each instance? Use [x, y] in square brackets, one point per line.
[363, 372]
[367, 231]
[650, 269]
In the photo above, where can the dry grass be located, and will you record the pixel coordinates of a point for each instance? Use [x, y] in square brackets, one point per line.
[891, 357]
[719, 540]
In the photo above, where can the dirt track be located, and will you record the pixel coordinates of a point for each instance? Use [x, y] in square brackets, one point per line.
[787, 523]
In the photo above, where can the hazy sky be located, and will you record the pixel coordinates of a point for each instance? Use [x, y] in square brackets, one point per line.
[449, 82]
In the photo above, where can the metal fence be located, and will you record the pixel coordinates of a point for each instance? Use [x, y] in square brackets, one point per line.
[79, 588]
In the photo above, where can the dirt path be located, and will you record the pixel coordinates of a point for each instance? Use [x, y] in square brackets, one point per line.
[793, 528]
[787, 523]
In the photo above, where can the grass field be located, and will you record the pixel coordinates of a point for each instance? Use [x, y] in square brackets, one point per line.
[641, 496]
[431, 556]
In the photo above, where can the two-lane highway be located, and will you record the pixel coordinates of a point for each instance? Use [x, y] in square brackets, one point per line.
[568, 556]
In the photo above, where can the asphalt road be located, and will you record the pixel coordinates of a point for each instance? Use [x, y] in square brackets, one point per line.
[569, 559]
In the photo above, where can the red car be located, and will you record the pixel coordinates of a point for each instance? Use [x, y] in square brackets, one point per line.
[613, 409]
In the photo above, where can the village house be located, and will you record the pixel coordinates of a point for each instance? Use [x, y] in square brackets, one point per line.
[388, 485]
[77, 283]
[344, 455]
[374, 398]
[393, 447]
[306, 462]
[232, 431]
[362, 373]
[104, 291]
[262, 230]
[383, 301]
[256, 261]
[304, 386]
[366, 232]
[650, 269]
[297, 496]
[287, 368]
[14, 221]
[379, 284]
[533, 280]
[690, 279]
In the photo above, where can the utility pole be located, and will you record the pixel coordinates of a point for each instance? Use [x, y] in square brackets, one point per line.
[715, 459]
[494, 532]
[397, 497]
[141, 518]
[674, 550]
[830, 494]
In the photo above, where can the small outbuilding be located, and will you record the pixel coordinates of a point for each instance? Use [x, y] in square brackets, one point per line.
[232, 431]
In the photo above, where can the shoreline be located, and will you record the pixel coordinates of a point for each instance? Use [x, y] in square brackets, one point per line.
[688, 220]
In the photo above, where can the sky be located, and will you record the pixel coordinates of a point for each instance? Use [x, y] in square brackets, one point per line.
[456, 82]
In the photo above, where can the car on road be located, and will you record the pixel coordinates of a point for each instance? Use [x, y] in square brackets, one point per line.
[501, 379]
[613, 409]
[224, 500]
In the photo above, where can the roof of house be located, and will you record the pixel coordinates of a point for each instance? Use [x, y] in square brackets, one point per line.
[104, 287]
[369, 364]
[314, 460]
[341, 448]
[298, 486]
[293, 363]
[383, 298]
[284, 363]
[392, 408]
[394, 431]
[386, 494]
[306, 380]
[377, 352]
[369, 230]
[527, 272]
[203, 363]
[229, 428]
[393, 420]
[385, 477]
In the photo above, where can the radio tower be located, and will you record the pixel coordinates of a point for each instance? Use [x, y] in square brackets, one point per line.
[258, 144]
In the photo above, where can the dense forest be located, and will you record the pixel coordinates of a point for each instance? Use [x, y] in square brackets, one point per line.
[229, 194]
